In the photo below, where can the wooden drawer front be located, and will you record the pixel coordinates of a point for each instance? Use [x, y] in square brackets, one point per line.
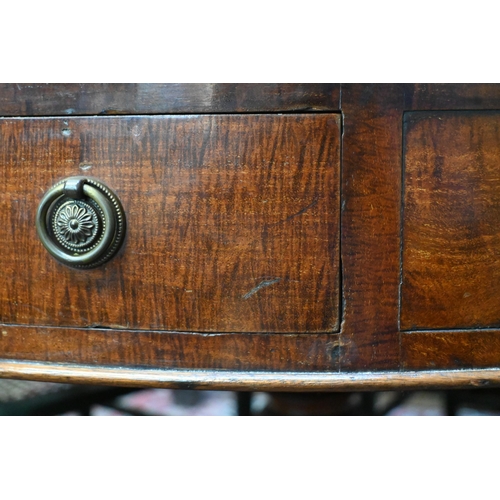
[233, 222]
[451, 225]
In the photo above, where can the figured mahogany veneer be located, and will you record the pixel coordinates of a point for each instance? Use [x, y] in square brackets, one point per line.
[451, 233]
[233, 222]
[46, 99]
[345, 237]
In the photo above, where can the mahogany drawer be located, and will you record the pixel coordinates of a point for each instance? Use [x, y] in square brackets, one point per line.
[350, 242]
[451, 221]
[232, 222]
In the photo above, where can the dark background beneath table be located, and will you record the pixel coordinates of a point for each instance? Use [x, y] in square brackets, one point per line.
[43, 398]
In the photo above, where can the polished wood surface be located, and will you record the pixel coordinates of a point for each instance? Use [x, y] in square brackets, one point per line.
[179, 350]
[448, 349]
[369, 341]
[47, 99]
[371, 198]
[65, 99]
[233, 222]
[250, 380]
[439, 96]
[451, 238]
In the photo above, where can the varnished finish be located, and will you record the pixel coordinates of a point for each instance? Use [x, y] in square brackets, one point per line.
[371, 197]
[451, 234]
[441, 350]
[369, 351]
[439, 96]
[49, 99]
[229, 351]
[233, 222]
[241, 380]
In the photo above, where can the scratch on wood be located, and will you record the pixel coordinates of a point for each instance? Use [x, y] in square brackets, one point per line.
[300, 212]
[260, 286]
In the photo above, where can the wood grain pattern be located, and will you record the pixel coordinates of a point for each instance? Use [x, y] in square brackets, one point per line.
[370, 350]
[228, 351]
[441, 350]
[53, 99]
[440, 96]
[233, 222]
[371, 198]
[240, 380]
[451, 239]
[49, 99]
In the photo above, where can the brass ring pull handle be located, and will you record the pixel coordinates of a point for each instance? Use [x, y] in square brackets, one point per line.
[81, 222]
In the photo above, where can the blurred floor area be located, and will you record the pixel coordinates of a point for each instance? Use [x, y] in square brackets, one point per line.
[41, 398]
[172, 403]
[199, 403]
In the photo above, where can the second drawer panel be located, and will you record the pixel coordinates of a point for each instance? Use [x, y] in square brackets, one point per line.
[451, 225]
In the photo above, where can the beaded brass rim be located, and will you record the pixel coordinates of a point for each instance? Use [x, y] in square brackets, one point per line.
[81, 222]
